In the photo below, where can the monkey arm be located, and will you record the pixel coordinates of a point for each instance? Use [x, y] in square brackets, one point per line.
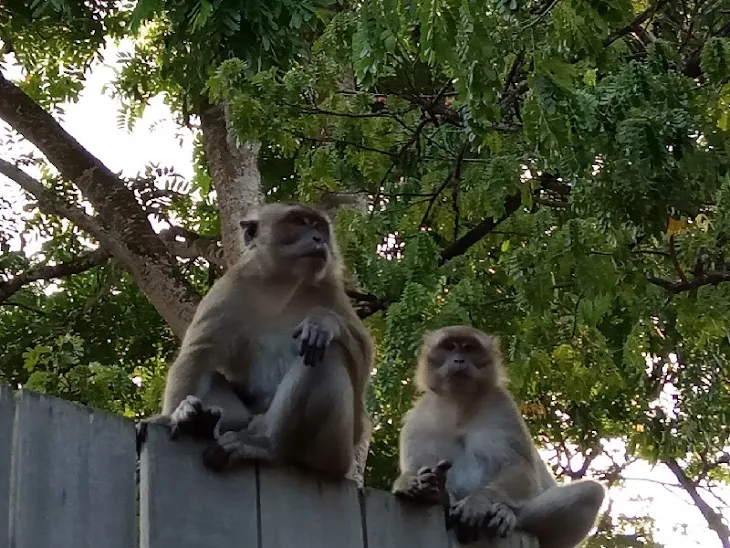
[347, 331]
[208, 344]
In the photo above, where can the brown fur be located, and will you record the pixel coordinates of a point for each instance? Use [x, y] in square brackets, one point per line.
[246, 336]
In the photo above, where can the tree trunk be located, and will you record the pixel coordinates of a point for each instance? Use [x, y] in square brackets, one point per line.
[714, 520]
[236, 178]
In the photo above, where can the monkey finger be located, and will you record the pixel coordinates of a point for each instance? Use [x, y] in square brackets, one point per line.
[432, 480]
[495, 523]
[443, 466]
[304, 350]
[305, 332]
[196, 403]
[474, 520]
[312, 355]
[320, 350]
[321, 339]
[504, 529]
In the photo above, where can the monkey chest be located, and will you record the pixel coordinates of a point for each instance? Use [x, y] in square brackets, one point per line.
[477, 459]
[272, 357]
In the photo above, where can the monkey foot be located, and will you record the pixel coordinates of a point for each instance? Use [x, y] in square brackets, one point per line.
[232, 447]
[192, 419]
[503, 520]
[473, 517]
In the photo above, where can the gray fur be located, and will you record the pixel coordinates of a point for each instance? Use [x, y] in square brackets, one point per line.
[497, 480]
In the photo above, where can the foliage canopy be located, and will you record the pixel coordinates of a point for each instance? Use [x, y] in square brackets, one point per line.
[552, 172]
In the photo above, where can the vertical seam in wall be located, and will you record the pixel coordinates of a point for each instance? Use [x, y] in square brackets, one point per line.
[15, 451]
[259, 540]
[363, 517]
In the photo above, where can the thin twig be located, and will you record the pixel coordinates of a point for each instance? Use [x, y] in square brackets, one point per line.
[675, 260]
[635, 24]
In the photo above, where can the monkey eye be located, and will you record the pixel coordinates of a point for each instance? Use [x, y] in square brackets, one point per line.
[448, 345]
[468, 347]
[322, 227]
[297, 220]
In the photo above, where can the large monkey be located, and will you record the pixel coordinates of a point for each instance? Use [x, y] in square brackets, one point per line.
[275, 363]
[465, 444]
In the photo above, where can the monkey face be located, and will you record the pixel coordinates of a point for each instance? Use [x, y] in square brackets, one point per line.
[459, 359]
[297, 237]
[303, 235]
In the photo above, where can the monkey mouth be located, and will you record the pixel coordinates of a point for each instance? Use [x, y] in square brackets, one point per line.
[319, 252]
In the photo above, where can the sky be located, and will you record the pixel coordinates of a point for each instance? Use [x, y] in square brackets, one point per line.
[156, 138]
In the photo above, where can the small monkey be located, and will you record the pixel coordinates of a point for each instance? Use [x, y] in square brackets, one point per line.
[466, 434]
[275, 363]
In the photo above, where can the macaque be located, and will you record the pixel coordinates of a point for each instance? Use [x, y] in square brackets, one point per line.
[275, 363]
[465, 444]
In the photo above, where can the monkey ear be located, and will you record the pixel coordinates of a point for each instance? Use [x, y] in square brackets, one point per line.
[250, 230]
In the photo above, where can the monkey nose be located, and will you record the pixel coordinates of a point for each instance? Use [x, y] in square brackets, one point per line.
[457, 368]
[317, 238]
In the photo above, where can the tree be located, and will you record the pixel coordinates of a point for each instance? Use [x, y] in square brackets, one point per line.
[555, 173]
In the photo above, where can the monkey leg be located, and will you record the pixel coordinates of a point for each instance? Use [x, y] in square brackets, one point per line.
[562, 516]
[216, 407]
[310, 422]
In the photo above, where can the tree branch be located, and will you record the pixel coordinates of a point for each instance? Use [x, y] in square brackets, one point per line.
[194, 245]
[635, 25]
[118, 208]
[235, 174]
[437, 193]
[367, 304]
[462, 245]
[692, 66]
[709, 278]
[713, 519]
[675, 259]
[50, 202]
[127, 232]
[24, 307]
[79, 264]
[318, 140]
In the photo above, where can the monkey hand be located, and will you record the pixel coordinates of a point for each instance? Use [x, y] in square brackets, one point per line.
[479, 513]
[427, 486]
[235, 446]
[192, 419]
[317, 331]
